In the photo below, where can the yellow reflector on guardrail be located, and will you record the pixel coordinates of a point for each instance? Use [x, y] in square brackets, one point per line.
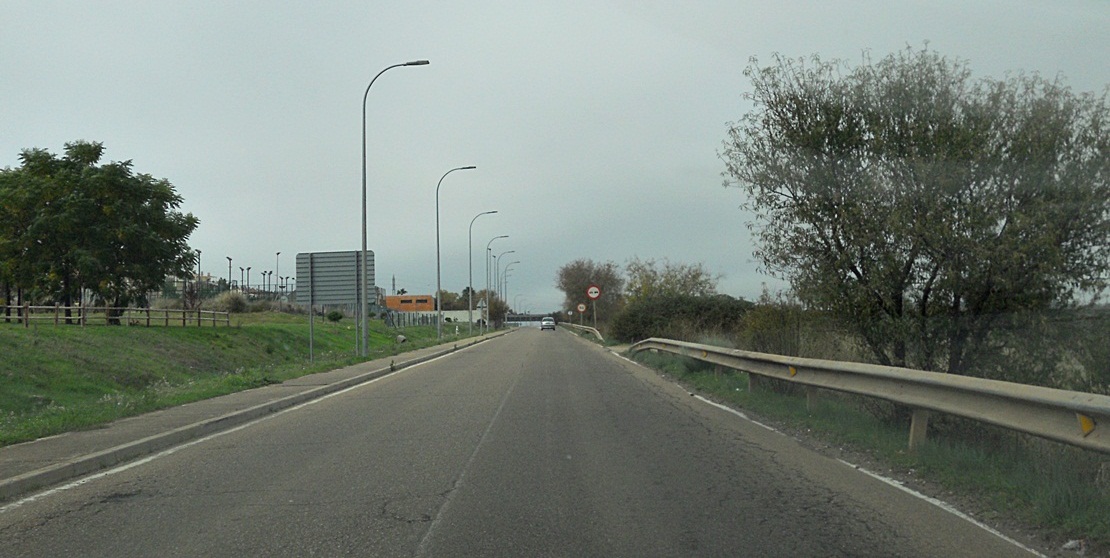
[793, 371]
[1086, 423]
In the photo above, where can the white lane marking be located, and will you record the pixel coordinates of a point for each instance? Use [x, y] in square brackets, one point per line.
[942, 505]
[938, 503]
[737, 413]
[422, 548]
[132, 464]
[714, 403]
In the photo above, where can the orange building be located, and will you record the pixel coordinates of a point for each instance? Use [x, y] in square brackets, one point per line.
[411, 303]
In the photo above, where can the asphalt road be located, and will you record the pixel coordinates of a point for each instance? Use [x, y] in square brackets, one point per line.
[532, 444]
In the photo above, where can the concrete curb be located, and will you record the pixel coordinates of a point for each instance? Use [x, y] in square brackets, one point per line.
[84, 465]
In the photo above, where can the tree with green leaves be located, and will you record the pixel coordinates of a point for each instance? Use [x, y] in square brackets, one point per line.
[933, 214]
[652, 278]
[577, 276]
[679, 301]
[70, 223]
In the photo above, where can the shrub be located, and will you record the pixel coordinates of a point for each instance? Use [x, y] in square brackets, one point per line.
[261, 306]
[162, 303]
[679, 317]
[230, 301]
[334, 316]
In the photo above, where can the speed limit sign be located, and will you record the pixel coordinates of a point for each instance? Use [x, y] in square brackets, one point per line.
[593, 292]
[581, 307]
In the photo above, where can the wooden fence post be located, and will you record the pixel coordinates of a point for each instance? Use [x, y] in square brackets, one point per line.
[26, 315]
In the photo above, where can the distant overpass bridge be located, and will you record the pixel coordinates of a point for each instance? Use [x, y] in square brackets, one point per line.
[525, 320]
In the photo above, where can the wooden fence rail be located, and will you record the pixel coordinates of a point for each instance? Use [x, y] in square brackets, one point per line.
[104, 315]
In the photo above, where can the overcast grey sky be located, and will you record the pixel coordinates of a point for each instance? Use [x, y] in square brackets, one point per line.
[595, 125]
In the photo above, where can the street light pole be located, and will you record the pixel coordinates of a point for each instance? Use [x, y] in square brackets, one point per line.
[198, 279]
[439, 306]
[470, 277]
[228, 273]
[497, 273]
[488, 256]
[505, 282]
[362, 282]
[277, 270]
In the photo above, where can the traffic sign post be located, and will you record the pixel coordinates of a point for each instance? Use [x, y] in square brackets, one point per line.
[593, 292]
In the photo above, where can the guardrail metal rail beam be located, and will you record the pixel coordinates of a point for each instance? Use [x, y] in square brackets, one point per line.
[1075, 418]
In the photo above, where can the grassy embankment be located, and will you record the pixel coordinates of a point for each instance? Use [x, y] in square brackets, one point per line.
[992, 473]
[57, 379]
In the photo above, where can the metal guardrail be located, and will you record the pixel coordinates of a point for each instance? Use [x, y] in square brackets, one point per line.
[587, 329]
[1075, 418]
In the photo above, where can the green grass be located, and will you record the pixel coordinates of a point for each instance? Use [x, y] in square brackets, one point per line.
[1048, 485]
[54, 379]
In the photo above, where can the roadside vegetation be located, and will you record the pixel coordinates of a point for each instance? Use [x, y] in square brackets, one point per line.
[922, 219]
[57, 379]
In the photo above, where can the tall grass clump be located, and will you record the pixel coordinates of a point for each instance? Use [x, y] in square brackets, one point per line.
[230, 301]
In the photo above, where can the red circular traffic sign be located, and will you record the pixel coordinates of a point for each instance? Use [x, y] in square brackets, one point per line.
[593, 292]
[581, 307]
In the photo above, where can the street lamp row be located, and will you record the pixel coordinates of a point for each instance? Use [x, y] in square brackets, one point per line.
[364, 279]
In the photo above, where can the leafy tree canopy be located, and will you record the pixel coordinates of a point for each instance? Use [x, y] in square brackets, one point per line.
[926, 210]
[651, 278]
[70, 223]
[577, 276]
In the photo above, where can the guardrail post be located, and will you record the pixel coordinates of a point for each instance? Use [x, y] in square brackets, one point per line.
[753, 382]
[811, 398]
[919, 425]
